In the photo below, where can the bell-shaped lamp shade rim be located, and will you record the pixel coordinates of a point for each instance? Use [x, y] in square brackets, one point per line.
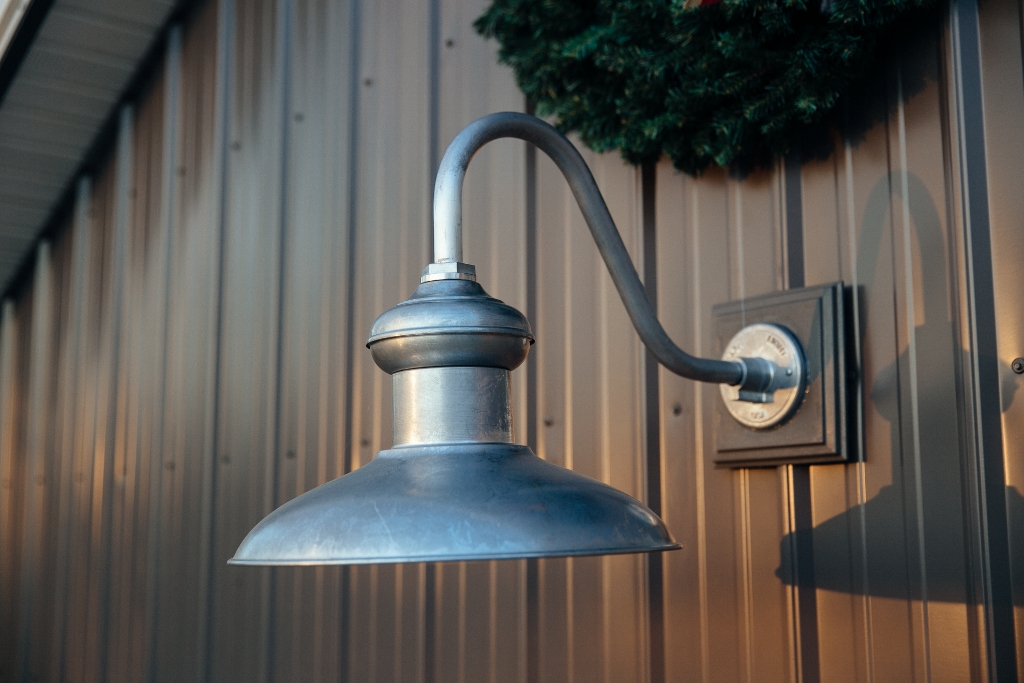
[453, 502]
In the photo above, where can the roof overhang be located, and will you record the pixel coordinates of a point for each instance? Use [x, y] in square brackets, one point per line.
[66, 69]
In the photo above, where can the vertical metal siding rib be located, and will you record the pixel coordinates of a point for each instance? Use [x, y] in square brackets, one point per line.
[278, 618]
[248, 341]
[652, 442]
[313, 293]
[159, 305]
[111, 562]
[38, 561]
[391, 209]
[722, 524]
[67, 388]
[678, 271]
[96, 456]
[10, 476]
[909, 415]
[219, 180]
[990, 492]
[578, 325]
[1003, 107]
[480, 606]
[127, 639]
[347, 446]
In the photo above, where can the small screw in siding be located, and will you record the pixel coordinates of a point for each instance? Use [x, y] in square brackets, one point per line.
[1018, 365]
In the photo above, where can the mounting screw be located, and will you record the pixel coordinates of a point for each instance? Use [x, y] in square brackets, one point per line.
[677, 409]
[1018, 365]
[548, 421]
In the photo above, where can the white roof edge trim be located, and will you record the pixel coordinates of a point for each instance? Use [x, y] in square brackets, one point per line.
[11, 13]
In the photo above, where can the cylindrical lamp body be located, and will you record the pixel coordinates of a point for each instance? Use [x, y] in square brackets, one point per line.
[452, 405]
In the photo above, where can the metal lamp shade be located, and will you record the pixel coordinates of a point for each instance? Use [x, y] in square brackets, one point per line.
[454, 502]
[454, 486]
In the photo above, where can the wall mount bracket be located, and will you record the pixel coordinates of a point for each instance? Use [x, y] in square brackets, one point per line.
[813, 420]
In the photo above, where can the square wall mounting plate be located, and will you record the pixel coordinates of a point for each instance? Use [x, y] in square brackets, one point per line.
[822, 428]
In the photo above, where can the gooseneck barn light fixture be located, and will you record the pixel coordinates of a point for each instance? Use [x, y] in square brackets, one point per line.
[454, 486]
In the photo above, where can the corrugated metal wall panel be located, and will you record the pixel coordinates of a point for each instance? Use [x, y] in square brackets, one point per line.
[12, 479]
[195, 195]
[387, 635]
[190, 355]
[248, 372]
[727, 617]
[843, 638]
[1001, 55]
[1004, 101]
[480, 612]
[890, 541]
[89, 493]
[38, 561]
[592, 609]
[315, 339]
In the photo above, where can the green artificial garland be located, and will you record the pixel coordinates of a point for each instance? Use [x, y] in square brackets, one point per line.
[733, 83]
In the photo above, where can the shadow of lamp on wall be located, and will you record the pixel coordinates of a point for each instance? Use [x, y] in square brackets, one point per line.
[455, 486]
[873, 548]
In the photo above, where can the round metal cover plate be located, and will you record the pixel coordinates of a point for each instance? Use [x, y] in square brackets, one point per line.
[778, 345]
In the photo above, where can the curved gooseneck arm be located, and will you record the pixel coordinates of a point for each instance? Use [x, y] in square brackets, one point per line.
[448, 239]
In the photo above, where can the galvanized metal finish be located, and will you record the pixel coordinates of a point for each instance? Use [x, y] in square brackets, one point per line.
[451, 502]
[450, 348]
[447, 323]
[448, 235]
[454, 486]
[757, 377]
[779, 399]
[452, 405]
[450, 270]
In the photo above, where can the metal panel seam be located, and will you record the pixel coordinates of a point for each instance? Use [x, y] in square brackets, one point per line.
[225, 63]
[991, 496]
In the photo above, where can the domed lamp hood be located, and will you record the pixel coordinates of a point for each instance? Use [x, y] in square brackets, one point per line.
[455, 486]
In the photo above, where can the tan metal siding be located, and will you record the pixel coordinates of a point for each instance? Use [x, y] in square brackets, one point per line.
[247, 375]
[592, 610]
[12, 477]
[1001, 56]
[892, 539]
[190, 354]
[386, 635]
[480, 612]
